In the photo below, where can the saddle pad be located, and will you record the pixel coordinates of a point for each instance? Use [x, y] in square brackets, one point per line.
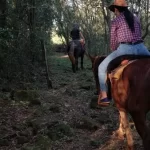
[117, 72]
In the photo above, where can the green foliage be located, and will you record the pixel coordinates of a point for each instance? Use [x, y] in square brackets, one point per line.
[27, 22]
[23, 95]
[42, 143]
[94, 19]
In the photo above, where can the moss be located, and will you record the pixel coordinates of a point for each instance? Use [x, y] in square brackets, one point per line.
[86, 123]
[55, 109]
[59, 131]
[41, 143]
[94, 103]
[24, 95]
[95, 143]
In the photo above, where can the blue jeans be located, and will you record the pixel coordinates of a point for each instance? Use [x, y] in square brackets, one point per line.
[123, 49]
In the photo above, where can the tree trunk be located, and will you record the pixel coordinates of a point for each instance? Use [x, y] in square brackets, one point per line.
[49, 82]
[31, 21]
[2, 13]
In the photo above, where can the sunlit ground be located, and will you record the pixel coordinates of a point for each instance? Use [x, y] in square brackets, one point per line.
[64, 56]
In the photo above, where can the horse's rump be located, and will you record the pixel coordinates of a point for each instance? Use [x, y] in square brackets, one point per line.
[75, 50]
[136, 82]
[132, 84]
[131, 93]
[74, 47]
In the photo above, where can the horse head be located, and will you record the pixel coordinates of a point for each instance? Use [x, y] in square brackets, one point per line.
[96, 60]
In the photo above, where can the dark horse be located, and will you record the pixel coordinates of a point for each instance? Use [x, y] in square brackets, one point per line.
[75, 50]
[131, 94]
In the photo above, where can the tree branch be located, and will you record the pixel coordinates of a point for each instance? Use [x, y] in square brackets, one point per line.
[146, 31]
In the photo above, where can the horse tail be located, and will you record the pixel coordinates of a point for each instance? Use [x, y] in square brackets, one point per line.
[71, 52]
[69, 46]
[87, 54]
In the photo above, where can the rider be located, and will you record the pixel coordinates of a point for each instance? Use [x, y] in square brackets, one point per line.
[125, 39]
[76, 34]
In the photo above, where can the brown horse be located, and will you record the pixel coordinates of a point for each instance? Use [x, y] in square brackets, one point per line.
[75, 50]
[131, 94]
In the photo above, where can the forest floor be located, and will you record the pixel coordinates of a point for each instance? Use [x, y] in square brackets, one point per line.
[62, 118]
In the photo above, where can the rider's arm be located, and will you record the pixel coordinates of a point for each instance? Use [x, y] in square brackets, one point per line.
[81, 36]
[113, 35]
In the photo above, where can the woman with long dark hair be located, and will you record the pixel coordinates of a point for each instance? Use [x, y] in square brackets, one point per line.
[125, 39]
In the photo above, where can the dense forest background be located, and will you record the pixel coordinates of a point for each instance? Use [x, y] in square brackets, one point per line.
[24, 23]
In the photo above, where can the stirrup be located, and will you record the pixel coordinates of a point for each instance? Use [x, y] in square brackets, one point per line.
[104, 102]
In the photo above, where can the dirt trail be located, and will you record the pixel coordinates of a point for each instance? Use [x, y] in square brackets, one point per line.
[61, 118]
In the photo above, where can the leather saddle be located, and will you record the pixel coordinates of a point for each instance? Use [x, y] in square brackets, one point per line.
[116, 67]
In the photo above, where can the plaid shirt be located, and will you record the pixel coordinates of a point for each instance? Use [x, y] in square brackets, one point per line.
[120, 31]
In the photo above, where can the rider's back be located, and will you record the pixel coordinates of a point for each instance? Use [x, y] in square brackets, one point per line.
[75, 34]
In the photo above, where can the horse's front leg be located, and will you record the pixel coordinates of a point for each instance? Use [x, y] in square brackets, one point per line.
[126, 126]
[120, 132]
